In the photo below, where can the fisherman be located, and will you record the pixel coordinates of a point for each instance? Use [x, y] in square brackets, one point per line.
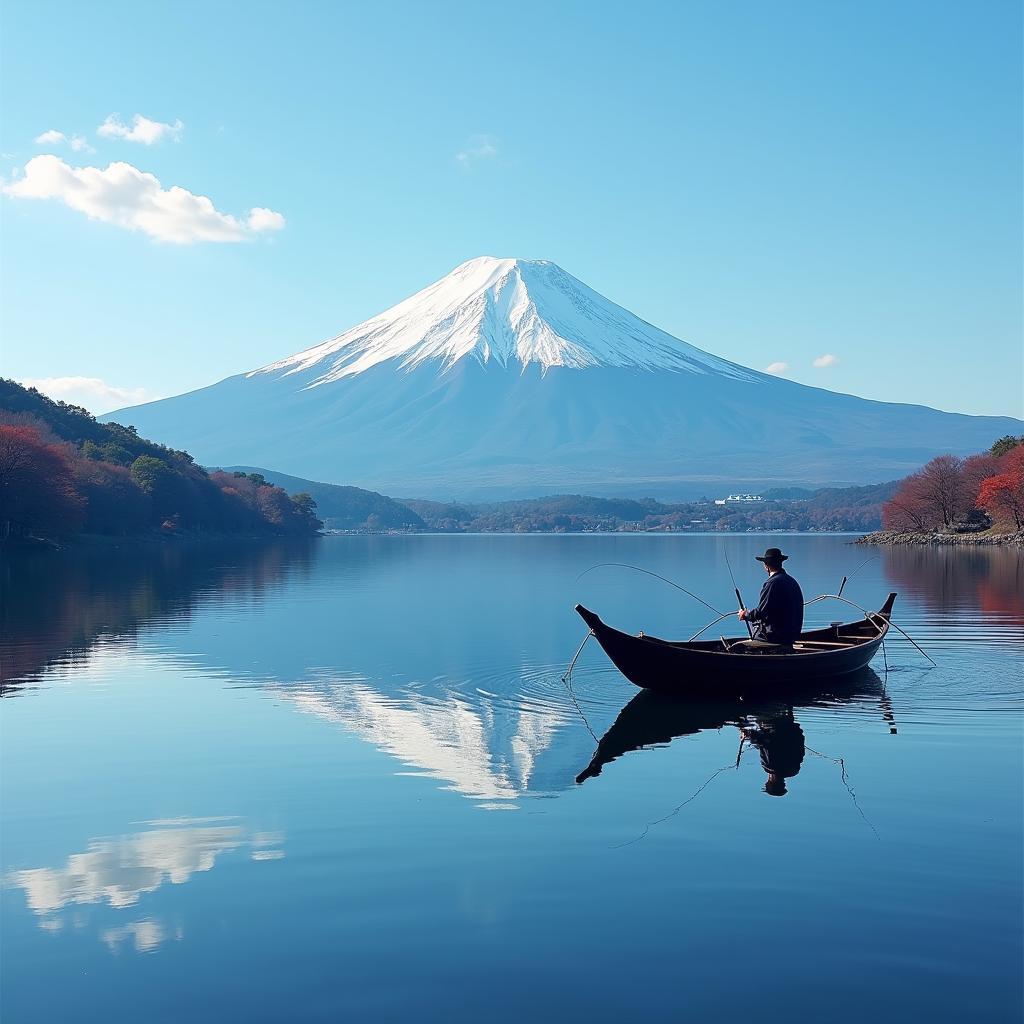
[779, 615]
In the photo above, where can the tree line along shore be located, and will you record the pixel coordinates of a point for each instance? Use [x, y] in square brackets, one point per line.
[952, 500]
[63, 475]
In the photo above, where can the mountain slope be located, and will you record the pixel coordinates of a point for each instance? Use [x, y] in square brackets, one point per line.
[511, 377]
[344, 508]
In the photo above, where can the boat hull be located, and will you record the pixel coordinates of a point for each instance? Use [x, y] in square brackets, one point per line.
[701, 669]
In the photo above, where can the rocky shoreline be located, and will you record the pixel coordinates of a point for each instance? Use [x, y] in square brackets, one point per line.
[892, 537]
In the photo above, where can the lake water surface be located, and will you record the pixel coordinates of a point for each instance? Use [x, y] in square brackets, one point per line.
[337, 781]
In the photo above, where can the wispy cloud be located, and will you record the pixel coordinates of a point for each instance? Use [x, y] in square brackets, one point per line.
[477, 148]
[123, 195]
[92, 393]
[826, 360]
[142, 129]
[52, 137]
[776, 368]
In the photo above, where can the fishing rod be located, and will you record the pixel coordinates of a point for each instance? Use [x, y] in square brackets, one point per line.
[872, 616]
[637, 568]
[736, 591]
[846, 579]
[713, 622]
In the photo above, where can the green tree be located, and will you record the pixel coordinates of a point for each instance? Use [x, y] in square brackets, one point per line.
[157, 480]
[304, 512]
[1006, 444]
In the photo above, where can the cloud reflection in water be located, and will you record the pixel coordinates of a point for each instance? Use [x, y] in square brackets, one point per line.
[118, 871]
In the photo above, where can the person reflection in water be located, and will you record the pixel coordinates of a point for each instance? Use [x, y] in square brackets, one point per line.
[780, 742]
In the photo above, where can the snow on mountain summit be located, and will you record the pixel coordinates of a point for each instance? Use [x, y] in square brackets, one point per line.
[511, 311]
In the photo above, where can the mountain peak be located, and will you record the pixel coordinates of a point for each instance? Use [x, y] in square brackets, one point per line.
[507, 311]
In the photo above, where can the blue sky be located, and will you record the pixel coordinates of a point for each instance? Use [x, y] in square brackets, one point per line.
[771, 182]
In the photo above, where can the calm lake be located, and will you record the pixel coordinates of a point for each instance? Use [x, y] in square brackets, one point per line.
[336, 781]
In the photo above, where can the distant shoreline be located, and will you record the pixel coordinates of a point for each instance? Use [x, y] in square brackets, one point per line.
[85, 541]
[892, 538]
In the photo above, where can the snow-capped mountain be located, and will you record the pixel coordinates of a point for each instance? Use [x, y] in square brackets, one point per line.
[514, 312]
[510, 376]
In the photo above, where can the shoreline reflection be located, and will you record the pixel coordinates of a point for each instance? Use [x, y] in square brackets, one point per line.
[112, 592]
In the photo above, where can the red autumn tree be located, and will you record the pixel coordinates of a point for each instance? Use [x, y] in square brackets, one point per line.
[37, 490]
[1002, 495]
[946, 489]
[976, 468]
[937, 495]
[909, 508]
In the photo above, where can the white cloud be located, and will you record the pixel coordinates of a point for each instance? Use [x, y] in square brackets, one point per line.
[477, 148]
[262, 219]
[55, 138]
[123, 195]
[826, 360]
[92, 393]
[776, 368]
[142, 129]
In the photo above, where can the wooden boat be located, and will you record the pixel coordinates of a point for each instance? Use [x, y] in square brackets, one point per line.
[722, 666]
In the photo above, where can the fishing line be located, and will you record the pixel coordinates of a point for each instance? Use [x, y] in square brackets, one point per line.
[853, 796]
[567, 680]
[568, 671]
[689, 799]
[637, 568]
[872, 616]
[846, 579]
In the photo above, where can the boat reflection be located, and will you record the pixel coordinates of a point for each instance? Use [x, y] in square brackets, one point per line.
[655, 719]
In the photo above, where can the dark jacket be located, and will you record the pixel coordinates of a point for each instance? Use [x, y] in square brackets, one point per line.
[779, 614]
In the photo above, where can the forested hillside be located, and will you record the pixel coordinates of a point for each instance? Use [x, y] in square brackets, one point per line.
[345, 508]
[62, 473]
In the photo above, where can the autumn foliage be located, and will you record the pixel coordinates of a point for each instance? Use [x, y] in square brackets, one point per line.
[951, 493]
[37, 488]
[61, 472]
[1002, 494]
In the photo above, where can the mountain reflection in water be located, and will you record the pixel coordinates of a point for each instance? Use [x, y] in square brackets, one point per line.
[355, 702]
[307, 624]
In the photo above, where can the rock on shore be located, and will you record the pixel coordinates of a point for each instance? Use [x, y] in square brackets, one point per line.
[936, 539]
